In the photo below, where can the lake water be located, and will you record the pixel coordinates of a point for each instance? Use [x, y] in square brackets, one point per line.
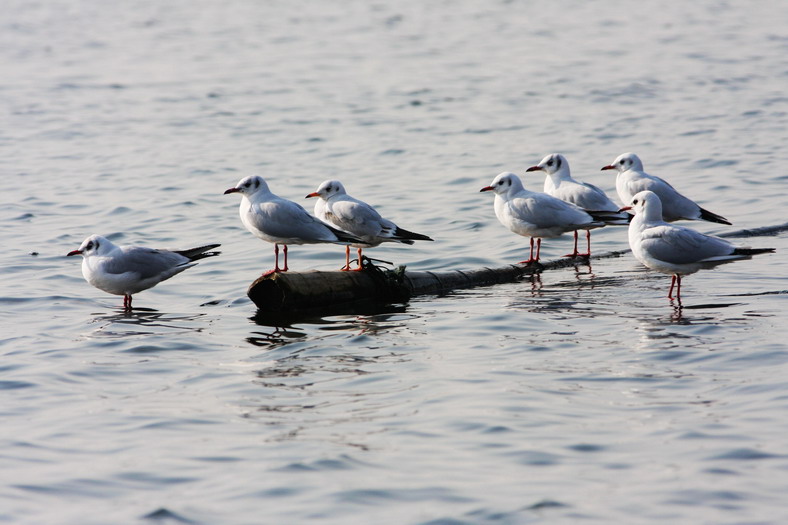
[580, 396]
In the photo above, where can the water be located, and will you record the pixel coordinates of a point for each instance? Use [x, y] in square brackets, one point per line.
[581, 396]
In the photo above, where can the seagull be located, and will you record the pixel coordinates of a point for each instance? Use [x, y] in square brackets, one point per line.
[281, 221]
[676, 250]
[126, 270]
[631, 179]
[560, 184]
[536, 215]
[338, 209]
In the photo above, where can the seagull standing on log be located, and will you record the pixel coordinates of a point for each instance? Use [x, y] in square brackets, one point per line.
[536, 215]
[338, 209]
[560, 184]
[281, 221]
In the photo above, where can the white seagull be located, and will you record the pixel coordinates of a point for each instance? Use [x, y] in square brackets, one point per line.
[676, 250]
[281, 221]
[631, 179]
[126, 270]
[535, 215]
[560, 184]
[336, 208]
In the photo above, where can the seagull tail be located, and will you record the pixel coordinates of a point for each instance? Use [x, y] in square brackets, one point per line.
[706, 215]
[404, 236]
[343, 236]
[195, 254]
[614, 218]
[752, 251]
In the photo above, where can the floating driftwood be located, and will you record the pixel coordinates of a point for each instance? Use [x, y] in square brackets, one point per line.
[316, 290]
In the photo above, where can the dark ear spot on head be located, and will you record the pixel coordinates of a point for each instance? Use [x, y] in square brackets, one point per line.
[97, 245]
[558, 163]
[257, 183]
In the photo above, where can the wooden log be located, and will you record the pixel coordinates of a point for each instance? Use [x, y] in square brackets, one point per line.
[335, 290]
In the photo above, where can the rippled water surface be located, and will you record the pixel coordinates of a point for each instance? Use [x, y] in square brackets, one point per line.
[581, 395]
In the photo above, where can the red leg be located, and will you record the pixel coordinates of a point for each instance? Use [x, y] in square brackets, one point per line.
[588, 245]
[347, 259]
[678, 287]
[284, 249]
[359, 261]
[276, 259]
[538, 248]
[127, 302]
[530, 255]
[574, 250]
[672, 282]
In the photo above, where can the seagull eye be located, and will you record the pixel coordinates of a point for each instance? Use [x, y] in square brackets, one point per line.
[635, 201]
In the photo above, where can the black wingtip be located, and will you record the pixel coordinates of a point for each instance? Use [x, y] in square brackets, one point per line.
[752, 251]
[706, 215]
[405, 235]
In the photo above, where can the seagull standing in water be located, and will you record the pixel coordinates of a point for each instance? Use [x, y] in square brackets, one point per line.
[126, 270]
[535, 215]
[560, 184]
[336, 208]
[281, 221]
[676, 250]
[631, 179]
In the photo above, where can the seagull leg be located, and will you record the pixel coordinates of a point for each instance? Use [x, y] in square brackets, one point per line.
[347, 259]
[588, 245]
[678, 288]
[127, 302]
[359, 261]
[284, 249]
[530, 255]
[538, 247]
[574, 250]
[276, 264]
[672, 282]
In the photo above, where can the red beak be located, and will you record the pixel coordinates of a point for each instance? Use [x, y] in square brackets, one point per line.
[232, 190]
[608, 167]
[534, 168]
[74, 252]
[313, 194]
[486, 188]
[625, 208]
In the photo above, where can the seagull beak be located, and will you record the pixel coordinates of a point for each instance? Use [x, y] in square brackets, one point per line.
[74, 252]
[486, 188]
[313, 194]
[231, 190]
[625, 208]
[608, 167]
[534, 168]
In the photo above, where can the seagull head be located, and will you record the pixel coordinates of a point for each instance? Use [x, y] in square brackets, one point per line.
[93, 245]
[553, 163]
[504, 183]
[328, 189]
[647, 204]
[249, 186]
[625, 162]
